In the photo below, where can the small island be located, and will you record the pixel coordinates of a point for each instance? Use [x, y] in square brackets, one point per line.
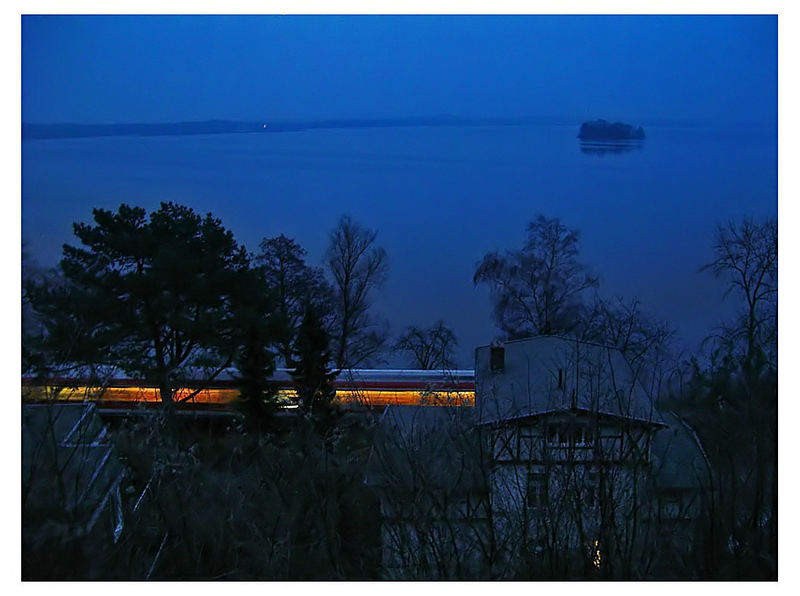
[601, 130]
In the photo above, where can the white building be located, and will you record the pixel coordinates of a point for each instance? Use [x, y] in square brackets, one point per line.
[587, 471]
[564, 467]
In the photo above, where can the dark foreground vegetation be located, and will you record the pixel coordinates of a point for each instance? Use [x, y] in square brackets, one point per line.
[213, 499]
[267, 493]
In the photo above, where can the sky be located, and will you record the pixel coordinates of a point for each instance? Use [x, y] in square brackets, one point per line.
[440, 199]
[104, 69]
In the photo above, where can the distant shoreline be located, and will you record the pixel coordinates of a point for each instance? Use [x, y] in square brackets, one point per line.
[32, 131]
[68, 130]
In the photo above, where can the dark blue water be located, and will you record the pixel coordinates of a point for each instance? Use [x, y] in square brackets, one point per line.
[441, 197]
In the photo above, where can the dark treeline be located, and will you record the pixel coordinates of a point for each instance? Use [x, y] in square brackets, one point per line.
[171, 298]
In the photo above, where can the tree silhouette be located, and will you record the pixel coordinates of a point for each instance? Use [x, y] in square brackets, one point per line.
[294, 283]
[430, 348]
[537, 290]
[747, 255]
[254, 324]
[312, 375]
[156, 296]
[731, 401]
[357, 267]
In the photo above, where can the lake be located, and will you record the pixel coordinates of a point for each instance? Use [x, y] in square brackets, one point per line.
[440, 197]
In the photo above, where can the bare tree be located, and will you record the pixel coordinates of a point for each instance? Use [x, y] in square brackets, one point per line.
[747, 254]
[645, 341]
[537, 290]
[430, 348]
[357, 267]
[732, 403]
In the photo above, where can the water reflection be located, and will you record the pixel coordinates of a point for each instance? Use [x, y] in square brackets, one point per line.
[602, 148]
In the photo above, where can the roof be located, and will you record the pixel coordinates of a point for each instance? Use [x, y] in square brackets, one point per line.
[574, 412]
[678, 458]
[573, 340]
[68, 446]
[548, 373]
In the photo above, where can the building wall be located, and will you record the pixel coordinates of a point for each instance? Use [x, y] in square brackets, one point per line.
[620, 509]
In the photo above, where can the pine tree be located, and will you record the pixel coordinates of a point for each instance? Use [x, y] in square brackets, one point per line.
[155, 296]
[255, 361]
[312, 374]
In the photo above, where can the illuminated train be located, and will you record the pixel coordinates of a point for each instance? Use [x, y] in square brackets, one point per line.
[356, 388]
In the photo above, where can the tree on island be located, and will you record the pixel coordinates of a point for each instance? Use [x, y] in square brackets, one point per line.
[357, 267]
[429, 349]
[538, 290]
[601, 130]
[158, 297]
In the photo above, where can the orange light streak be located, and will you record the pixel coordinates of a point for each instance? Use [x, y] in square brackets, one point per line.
[228, 396]
[405, 397]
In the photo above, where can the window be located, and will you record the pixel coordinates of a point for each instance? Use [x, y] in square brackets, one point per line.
[537, 490]
[671, 507]
[596, 554]
[573, 434]
[582, 436]
[557, 436]
[497, 358]
[528, 442]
